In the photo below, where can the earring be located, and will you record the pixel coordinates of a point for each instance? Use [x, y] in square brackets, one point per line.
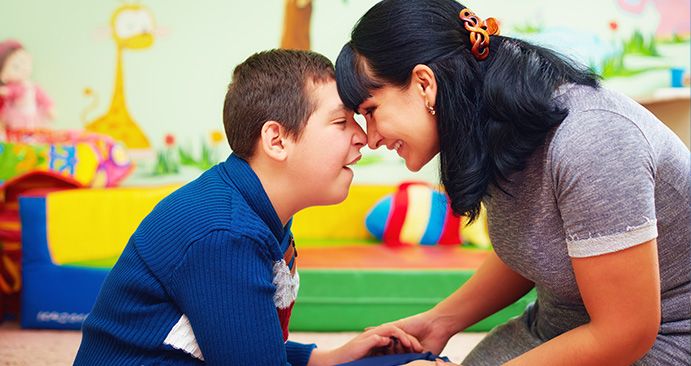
[429, 108]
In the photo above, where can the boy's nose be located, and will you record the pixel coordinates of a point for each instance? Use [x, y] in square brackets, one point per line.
[359, 137]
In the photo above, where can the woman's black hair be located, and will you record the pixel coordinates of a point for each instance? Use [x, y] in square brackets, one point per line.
[491, 114]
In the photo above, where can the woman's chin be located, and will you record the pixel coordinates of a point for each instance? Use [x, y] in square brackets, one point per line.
[413, 166]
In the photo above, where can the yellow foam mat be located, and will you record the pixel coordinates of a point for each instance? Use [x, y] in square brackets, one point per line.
[345, 220]
[87, 224]
[92, 224]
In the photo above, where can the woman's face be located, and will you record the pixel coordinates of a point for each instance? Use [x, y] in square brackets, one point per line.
[399, 119]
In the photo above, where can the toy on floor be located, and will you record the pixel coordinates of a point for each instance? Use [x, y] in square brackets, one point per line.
[23, 104]
[419, 214]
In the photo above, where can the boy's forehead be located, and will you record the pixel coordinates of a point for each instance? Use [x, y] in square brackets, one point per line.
[327, 98]
[338, 109]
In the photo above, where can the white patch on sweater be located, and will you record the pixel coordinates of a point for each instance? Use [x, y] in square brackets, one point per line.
[182, 337]
[286, 284]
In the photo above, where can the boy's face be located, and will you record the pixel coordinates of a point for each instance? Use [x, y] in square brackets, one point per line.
[330, 141]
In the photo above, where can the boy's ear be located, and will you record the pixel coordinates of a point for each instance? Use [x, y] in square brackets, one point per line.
[272, 140]
[424, 80]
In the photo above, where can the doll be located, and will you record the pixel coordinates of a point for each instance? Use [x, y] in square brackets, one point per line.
[24, 106]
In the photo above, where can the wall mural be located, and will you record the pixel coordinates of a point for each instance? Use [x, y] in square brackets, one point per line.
[641, 50]
[132, 27]
[168, 129]
[296, 24]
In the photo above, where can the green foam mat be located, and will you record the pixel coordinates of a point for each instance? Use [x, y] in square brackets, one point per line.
[100, 263]
[349, 300]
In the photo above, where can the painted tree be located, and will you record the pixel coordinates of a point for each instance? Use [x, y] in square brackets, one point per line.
[296, 24]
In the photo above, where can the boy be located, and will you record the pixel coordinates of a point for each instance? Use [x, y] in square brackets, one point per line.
[209, 275]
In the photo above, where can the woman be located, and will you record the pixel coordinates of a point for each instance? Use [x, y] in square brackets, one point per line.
[587, 193]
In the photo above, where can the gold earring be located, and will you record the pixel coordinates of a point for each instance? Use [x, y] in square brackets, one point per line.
[429, 108]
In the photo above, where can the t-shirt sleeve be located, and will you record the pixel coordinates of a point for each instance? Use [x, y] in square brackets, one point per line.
[604, 179]
[224, 287]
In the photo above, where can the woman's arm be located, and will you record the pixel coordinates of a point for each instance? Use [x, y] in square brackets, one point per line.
[621, 292]
[493, 287]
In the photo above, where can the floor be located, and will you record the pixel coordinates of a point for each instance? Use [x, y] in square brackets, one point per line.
[19, 347]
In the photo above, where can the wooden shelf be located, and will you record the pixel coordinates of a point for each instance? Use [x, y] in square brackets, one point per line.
[666, 95]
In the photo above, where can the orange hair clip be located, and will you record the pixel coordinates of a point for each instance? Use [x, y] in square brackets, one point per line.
[480, 30]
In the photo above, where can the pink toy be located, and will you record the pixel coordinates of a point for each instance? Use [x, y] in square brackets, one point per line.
[23, 104]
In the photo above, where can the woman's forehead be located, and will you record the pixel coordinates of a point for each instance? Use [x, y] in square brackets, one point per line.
[382, 93]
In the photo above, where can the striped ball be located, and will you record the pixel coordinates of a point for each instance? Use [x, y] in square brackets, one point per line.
[415, 214]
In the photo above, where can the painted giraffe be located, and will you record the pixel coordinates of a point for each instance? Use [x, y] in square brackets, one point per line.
[132, 27]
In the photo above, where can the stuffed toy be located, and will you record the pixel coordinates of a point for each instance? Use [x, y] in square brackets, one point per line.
[23, 104]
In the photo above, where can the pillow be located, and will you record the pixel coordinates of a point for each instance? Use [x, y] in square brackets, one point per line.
[419, 214]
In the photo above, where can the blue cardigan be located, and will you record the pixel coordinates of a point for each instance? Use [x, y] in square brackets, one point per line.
[203, 259]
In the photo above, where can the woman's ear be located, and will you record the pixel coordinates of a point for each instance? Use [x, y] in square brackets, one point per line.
[424, 80]
[272, 141]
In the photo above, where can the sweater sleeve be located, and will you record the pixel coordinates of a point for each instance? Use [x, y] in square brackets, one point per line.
[298, 353]
[224, 287]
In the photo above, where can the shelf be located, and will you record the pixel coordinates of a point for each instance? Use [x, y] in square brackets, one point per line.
[665, 95]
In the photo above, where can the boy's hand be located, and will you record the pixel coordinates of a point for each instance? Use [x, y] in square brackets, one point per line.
[380, 340]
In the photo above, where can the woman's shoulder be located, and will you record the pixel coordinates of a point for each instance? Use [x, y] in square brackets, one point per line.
[598, 118]
[601, 118]
[579, 99]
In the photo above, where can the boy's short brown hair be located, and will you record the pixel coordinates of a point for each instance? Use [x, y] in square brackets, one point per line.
[272, 85]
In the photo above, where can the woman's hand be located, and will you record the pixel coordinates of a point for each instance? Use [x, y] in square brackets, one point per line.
[384, 339]
[428, 329]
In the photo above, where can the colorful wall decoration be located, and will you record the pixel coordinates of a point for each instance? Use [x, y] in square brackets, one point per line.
[166, 100]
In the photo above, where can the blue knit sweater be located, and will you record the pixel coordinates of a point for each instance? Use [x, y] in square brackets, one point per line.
[203, 259]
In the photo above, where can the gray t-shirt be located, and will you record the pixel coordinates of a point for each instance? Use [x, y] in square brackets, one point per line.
[609, 177]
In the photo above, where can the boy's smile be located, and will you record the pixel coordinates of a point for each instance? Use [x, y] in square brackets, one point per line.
[353, 162]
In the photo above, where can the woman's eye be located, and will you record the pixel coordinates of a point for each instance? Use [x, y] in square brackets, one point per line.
[340, 122]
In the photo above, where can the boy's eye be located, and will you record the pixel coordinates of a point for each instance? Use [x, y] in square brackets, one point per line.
[340, 122]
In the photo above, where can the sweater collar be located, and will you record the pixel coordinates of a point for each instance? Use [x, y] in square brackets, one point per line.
[248, 184]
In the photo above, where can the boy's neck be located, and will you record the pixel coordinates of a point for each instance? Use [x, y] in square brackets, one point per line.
[278, 187]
